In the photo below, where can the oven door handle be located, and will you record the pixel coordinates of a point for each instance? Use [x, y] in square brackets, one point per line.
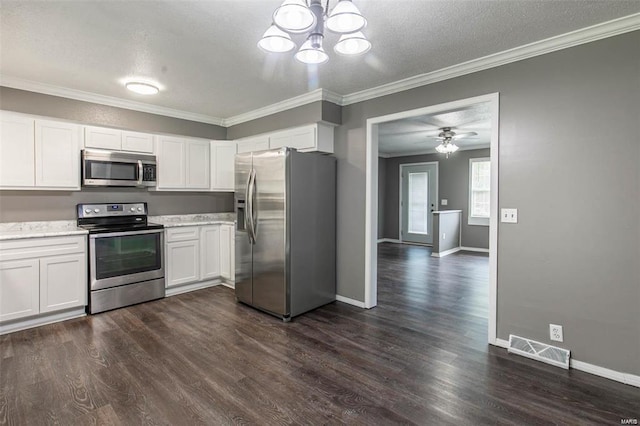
[126, 233]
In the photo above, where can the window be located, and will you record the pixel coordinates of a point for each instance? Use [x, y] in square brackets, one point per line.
[479, 191]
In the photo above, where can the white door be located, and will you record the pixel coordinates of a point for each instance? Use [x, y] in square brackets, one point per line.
[16, 151]
[171, 162]
[19, 289]
[419, 184]
[183, 263]
[197, 166]
[63, 282]
[57, 155]
[209, 252]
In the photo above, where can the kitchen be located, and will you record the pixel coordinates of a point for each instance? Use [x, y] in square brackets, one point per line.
[215, 376]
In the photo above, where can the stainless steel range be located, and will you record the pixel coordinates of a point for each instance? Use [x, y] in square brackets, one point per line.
[126, 263]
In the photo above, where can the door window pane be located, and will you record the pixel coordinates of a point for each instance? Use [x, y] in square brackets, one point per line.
[418, 203]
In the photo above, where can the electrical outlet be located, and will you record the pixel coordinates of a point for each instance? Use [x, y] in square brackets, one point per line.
[444, 236]
[555, 333]
[444, 202]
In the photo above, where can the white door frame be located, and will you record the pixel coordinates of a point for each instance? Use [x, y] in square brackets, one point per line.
[428, 163]
[371, 203]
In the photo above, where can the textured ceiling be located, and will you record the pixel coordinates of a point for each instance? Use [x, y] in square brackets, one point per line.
[416, 135]
[204, 54]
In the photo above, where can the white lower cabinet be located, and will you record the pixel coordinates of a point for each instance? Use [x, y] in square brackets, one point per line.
[199, 254]
[63, 282]
[210, 252]
[183, 266]
[42, 275]
[19, 289]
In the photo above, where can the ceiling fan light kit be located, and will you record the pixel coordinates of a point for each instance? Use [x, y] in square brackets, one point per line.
[311, 18]
[447, 146]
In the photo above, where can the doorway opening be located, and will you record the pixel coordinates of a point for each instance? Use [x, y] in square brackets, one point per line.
[406, 134]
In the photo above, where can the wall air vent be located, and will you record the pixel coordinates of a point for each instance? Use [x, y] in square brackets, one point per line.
[539, 351]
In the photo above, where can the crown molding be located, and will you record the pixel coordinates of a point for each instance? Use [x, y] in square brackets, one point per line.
[79, 95]
[584, 35]
[304, 99]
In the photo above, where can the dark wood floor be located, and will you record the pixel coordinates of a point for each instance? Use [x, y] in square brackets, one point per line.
[199, 358]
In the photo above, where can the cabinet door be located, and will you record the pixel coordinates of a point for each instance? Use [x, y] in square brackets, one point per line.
[232, 252]
[171, 162]
[19, 289]
[63, 282]
[225, 252]
[209, 252]
[303, 138]
[103, 138]
[198, 165]
[137, 142]
[183, 263]
[222, 165]
[57, 154]
[258, 143]
[17, 152]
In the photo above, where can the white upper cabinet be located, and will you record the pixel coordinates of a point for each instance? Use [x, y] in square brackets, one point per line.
[17, 151]
[259, 143]
[301, 138]
[38, 154]
[183, 164]
[198, 164]
[137, 142]
[57, 155]
[117, 140]
[171, 159]
[222, 165]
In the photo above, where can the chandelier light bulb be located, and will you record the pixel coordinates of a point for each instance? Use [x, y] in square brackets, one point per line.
[275, 40]
[294, 16]
[345, 18]
[352, 44]
[311, 52]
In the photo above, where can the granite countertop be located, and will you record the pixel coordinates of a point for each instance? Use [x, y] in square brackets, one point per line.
[171, 221]
[56, 228]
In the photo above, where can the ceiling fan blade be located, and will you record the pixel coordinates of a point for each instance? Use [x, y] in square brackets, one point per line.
[464, 135]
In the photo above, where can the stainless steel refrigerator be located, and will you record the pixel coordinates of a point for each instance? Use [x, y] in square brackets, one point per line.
[285, 202]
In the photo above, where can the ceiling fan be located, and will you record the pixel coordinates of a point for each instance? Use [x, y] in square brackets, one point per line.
[447, 136]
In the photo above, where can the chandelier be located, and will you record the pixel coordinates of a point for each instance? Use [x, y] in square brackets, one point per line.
[295, 17]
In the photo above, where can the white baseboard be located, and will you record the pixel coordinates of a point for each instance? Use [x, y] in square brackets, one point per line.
[353, 302]
[628, 379]
[446, 252]
[42, 320]
[389, 240]
[476, 249]
[230, 284]
[172, 291]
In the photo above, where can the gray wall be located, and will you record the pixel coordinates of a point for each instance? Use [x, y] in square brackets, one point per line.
[305, 114]
[453, 184]
[569, 160]
[382, 194]
[18, 206]
[24, 206]
[103, 115]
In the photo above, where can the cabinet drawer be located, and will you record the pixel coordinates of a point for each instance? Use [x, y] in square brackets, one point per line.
[186, 233]
[38, 247]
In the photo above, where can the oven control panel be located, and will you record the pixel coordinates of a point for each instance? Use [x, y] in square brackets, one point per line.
[109, 210]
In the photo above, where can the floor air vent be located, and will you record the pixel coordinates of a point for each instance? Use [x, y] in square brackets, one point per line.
[539, 351]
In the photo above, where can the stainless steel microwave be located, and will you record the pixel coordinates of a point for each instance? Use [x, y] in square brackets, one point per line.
[108, 168]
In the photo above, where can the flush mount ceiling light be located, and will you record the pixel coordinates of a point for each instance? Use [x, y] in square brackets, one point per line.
[142, 88]
[309, 17]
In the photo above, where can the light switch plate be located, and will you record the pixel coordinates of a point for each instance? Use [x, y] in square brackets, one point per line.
[444, 202]
[509, 215]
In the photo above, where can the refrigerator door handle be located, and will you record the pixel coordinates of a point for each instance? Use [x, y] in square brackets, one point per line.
[247, 216]
[250, 198]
